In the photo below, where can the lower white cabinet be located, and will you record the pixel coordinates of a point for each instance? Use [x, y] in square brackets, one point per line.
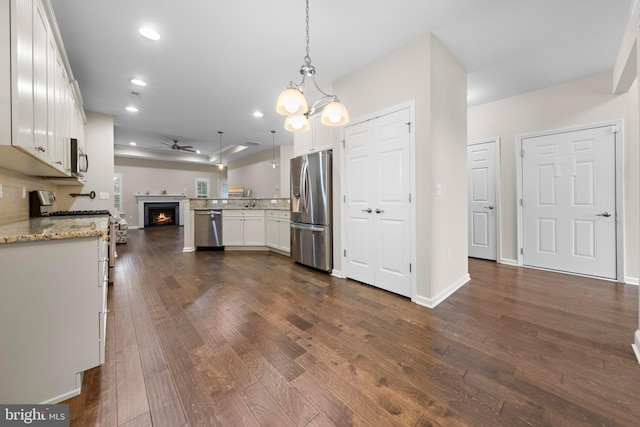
[243, 227]
[278, 230]
[52, 317]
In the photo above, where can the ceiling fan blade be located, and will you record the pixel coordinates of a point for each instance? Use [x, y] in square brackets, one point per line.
[187, 149]
[182, 147]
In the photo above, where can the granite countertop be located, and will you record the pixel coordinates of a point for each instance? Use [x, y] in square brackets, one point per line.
[260, 203]
[46, 228]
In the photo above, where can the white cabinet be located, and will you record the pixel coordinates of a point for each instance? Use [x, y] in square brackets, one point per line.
[278, 230]
[319, 137]
[243, 227]
[53, 293]
[40, 107]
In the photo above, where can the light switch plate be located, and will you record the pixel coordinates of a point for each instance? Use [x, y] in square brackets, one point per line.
[104, 195]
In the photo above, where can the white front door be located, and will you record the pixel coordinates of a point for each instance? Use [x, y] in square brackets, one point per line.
[378, 187]
[569, 202]
[481, 172]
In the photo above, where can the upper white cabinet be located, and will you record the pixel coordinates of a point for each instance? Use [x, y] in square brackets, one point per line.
[319, 137]
[41, 108]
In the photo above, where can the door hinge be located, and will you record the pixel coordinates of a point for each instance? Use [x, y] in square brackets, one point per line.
[343, 143]
[344, 198]
[409, 267]
[521, 202]
[521, 251]
[615, 129]
[522, 153]
[409, 126]
[344, 254]
[409, 197]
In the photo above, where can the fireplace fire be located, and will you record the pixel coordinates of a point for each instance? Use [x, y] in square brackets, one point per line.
[161, 214]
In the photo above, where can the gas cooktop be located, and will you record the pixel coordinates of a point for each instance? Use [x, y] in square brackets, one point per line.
[79, 213]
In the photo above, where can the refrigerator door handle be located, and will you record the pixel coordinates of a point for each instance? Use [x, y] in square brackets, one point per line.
[304, 186]
[307, 227]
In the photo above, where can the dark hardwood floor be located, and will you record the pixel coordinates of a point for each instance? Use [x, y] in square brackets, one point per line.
[249, 338]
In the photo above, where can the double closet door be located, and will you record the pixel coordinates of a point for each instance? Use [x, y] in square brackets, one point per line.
[377, 171]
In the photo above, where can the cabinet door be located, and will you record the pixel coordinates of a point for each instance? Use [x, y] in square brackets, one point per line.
[22, 76]
[284, 235]
[232, 231]
[40, 83]
[272, 232]
[254, 231]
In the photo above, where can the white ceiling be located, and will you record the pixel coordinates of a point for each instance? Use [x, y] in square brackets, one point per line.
[219, 61]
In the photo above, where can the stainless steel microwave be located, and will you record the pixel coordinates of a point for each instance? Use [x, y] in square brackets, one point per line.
[79, 159]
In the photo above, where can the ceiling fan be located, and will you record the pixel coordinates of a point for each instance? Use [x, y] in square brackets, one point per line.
[178, 147]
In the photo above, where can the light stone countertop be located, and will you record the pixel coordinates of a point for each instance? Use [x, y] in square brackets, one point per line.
[260, 203]
[53, 228]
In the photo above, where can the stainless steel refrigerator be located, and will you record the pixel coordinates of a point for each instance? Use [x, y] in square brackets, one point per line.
[311, 210]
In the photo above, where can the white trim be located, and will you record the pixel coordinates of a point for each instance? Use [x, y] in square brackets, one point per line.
[619, 148]
[338, 273]
[631, 280]
[636, 345]
[412, 208]
[433, 302]
[68, 395]
[498, 165]
[188, 249]
[508, 261]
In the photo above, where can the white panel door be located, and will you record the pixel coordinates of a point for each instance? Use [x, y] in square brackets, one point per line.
[359, 211]
[481, 164]
[569, 204]
[392, 155]
[377, 187]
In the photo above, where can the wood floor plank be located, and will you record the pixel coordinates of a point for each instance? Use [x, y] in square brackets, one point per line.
[249, 338]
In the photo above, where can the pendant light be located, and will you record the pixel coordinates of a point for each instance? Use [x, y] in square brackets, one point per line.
[273, 163]
[220, 163]
[292, 103]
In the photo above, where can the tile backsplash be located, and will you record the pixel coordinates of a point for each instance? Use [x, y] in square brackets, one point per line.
[13, 207]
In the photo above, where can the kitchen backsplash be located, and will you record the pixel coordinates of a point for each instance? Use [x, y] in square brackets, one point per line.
[14, 207]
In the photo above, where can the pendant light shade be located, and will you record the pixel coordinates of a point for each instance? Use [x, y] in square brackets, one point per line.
[334, 114]
[298, 123]
[292, 103]
[220, 163]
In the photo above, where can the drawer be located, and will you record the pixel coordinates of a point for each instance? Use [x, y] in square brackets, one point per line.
[279, 214]
[242, 213]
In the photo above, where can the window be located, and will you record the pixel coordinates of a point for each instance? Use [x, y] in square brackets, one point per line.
[117, 192]
[202, 188]
[223, 189]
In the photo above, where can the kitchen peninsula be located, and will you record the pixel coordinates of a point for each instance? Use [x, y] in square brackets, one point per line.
[53, 309]
[269, 218]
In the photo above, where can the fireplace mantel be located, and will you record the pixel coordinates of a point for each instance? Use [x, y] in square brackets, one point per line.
[158, 198]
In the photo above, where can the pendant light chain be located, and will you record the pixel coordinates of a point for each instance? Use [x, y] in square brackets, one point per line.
[307, 58]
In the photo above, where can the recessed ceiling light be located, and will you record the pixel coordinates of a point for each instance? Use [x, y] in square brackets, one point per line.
[132, 143]
[131, 109]
[138, 82]
[258, 114]
[149, 33]
[197, 151]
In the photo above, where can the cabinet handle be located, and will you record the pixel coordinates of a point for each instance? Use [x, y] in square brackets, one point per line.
[58, 162]
[40, 148]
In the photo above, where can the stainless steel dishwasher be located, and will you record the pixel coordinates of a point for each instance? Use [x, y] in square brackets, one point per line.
[208, 229]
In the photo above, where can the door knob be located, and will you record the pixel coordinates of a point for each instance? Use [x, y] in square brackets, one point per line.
[379, 211]
[604, 214]
[368, 210]
[489, 207]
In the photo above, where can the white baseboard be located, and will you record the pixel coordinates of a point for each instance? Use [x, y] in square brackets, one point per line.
[631, 280]
[636, 345]
[433, 302]
[337, 273]
[134, 227]
[508, 261]
[188, 249]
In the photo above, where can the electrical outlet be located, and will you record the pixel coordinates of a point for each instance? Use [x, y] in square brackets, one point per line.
[0, 191]
[24, 192]
[104, 195]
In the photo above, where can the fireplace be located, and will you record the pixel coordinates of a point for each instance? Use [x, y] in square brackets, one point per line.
[161, 214]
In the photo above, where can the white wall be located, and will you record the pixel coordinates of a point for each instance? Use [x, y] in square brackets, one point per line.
[424, 72]
[254, 173]
[576, 103]
[99, 176]
[140, 176]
